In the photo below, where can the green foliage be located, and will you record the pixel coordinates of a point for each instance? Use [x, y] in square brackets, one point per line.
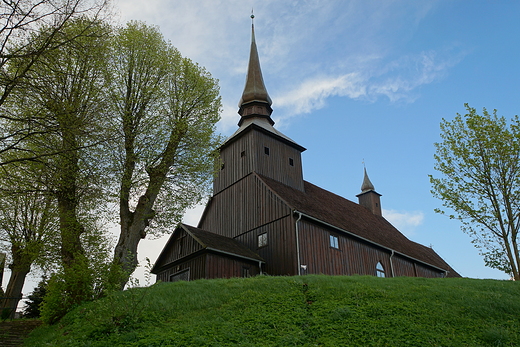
[479, 163]
[35, 299]
[297, 311]
[165, 109]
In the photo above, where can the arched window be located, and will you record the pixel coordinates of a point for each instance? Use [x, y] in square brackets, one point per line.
[380, 270]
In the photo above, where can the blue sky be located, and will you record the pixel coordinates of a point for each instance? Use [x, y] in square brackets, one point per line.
[359, 81]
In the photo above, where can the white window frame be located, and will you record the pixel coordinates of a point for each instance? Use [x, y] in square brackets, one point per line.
[334, 241]
[380, 270]
[262, 240]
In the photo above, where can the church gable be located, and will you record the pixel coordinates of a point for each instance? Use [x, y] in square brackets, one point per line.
[180, 245]
[246, 205]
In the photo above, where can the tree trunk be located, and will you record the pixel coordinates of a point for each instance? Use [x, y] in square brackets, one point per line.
[75, 265]
[13, 293]
[133, 230]
[134, 224]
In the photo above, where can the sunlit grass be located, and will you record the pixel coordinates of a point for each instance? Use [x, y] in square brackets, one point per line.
[298, 311]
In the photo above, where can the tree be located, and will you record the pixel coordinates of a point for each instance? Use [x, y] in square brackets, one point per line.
[27, 223]
[167, 107]
[35, 299]
[63, 101]
[19, 52]
[479, 159]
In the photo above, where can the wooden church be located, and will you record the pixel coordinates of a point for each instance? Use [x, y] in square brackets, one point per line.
[264, 218]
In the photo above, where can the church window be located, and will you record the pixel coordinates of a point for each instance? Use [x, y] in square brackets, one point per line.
[291, 161]
[266, 150]
[243, 154]
[380, 270]
[334, 242]
[246, 272]
[222, 166]
[262, 240]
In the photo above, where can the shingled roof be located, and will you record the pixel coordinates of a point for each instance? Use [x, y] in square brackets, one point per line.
[353, 218]
[222, 244]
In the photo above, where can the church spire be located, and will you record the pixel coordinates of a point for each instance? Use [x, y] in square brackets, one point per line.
[369, 197]
[367, 185]
[255, 101]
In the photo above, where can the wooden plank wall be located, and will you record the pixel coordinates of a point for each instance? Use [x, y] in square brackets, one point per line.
[352, 257]
[423, 271]
[243, 207]
[196, 265]
[403, 266]
[246, 154]
[225, 267]
[182, 245]
[280, 251]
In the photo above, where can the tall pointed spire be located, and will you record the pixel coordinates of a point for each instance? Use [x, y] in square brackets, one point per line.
[255, 101]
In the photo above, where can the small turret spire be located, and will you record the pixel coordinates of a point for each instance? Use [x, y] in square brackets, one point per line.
[368, 196]
[255, 101]
[367, 185]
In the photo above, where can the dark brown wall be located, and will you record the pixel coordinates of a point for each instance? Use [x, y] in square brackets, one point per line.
[243, 207]
[182, 245]
[196, 265]
[210, 265]
[246, 154]
[280, 251]
[224, 267]
[353, 256]
[403, 267]
[372, 201]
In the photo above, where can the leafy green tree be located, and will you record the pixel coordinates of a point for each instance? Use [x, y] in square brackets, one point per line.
[28, 224]
[166, 108]
[479, 159]
[63, 101]
[35, 299]
[19, 52]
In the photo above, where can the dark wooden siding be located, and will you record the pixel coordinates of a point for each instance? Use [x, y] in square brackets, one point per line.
[353, 256]
[280, 251]
[210, 265]
[245, 206]
[423, 271]
[246, 154]
[197, 267]
[403, 266]
[219, 266]
[182, 245]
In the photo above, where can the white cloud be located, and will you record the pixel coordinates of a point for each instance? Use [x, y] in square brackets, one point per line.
[311, 94]
[404, 221]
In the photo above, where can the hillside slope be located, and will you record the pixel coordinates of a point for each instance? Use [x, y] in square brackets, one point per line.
[298, 311]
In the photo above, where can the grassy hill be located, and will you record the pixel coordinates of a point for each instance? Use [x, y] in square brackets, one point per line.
[298, 311]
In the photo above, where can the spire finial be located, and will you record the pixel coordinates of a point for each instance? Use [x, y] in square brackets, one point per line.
[252, 15]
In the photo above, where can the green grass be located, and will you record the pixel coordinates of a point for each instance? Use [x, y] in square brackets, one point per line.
[298, 311]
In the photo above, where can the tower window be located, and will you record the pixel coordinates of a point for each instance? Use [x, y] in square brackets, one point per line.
[380, 270]
[262, 240]
[222, 166]
[243, 153]
[334, 242]
[266, 150]
[291, 161]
